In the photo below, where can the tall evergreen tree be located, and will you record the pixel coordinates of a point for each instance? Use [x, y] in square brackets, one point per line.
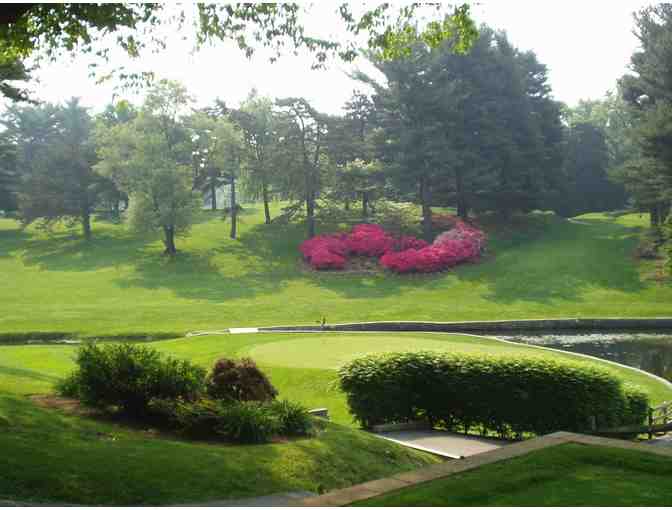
[648, 174]
[55, 156]
[478, 130]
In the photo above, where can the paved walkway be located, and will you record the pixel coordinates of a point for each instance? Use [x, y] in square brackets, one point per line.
[663, 441]
[281, 499]
[445, 444]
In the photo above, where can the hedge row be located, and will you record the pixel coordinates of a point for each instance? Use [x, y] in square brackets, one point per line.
[504, 395]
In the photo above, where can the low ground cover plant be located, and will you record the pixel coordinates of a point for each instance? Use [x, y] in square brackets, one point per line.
[504, 395]
[403, 254]
[235, 401]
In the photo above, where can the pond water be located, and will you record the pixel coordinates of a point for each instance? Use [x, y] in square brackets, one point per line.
[650, 351]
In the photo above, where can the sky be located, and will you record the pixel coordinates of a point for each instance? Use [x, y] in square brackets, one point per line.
[585, 44]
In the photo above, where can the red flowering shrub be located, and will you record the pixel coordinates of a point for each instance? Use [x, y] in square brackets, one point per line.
[462, 243]
[406, 254]
[408, 242]
[326, 251]
[369, 240]
[322, 258]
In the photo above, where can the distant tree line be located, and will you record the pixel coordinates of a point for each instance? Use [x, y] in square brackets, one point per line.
[478, 131]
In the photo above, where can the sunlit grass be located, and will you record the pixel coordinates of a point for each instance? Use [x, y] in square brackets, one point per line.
[120, 283]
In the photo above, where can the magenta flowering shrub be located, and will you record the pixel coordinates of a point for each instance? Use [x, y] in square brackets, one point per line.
[461, 244]
[326, 251]
[406, 254]
[369, 240]
[408, 242]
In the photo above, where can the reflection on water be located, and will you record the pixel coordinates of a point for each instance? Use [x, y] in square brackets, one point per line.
[649, 351]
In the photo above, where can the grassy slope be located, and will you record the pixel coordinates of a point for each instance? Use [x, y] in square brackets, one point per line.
[47, 456]
[561, 476]
[121, 283]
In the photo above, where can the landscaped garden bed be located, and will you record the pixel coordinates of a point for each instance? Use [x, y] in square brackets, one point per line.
[399, 254]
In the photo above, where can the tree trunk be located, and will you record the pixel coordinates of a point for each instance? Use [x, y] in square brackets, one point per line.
[653, 212]
[213, 191]
[365, 204]
[86, 223]
[310, 214]
[346, 204]
[169, 240]
[664, 212]
[426, 210]
[116, 211]
[267, 210]
[234, 208]
[462, 209]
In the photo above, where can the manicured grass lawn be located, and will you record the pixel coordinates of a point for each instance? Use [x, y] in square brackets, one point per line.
[51, 457]
[302, 366]
[565, 475]
[120, 283]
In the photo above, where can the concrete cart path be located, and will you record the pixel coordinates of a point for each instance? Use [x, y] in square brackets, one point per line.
[663, 441]
[282, 499]
[445, 444]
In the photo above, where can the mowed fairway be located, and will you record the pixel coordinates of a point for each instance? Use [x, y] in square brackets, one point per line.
[119, 283]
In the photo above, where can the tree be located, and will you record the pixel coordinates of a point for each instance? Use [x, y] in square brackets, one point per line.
[587, 163]
[149, 159]
[218, 156]
[54, 28]
[8, 177]
[260, 128]
[55, 156]
[113, 115]
[477, 130]
[305, 137]
[363, 178]
[648, 173]
[12, 70]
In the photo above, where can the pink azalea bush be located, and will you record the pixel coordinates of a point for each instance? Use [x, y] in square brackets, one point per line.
[463, 243]
[406, 254]
[369, 240]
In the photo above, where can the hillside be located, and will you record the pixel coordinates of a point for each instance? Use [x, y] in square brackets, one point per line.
[542, 266]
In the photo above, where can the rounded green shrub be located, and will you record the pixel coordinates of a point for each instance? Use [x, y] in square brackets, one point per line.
[128, 376]
[502, 394]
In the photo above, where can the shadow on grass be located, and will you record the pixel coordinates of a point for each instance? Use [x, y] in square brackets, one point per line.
[195, 276]
[12, 240]
[26, 374]
[539, 261]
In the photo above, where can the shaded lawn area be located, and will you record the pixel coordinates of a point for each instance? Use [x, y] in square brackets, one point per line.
[51, 457]
[565, 475]
[538, 266]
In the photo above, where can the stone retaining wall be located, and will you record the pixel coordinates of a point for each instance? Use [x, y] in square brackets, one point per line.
[606, 324]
